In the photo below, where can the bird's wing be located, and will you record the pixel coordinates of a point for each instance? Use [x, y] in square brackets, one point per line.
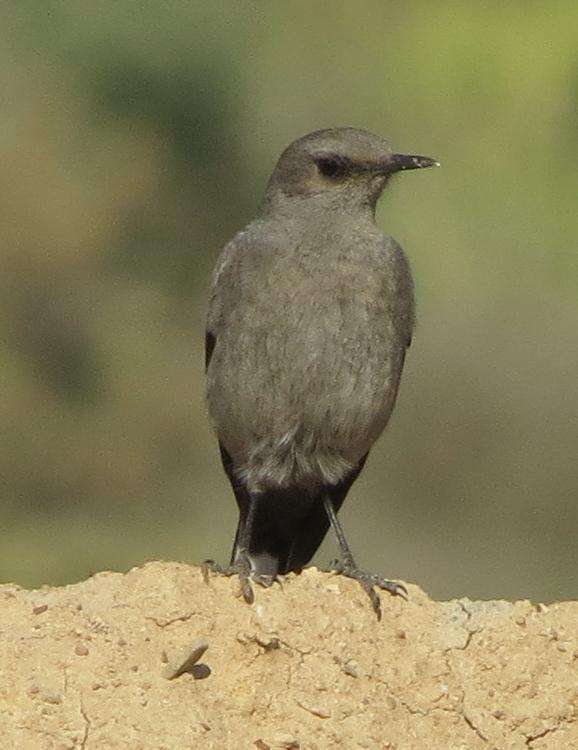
[245, 251]
[218, 300]
[404, 297]
[210, 341]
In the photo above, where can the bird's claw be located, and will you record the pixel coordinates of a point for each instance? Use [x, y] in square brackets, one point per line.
[369, 582]
[241, 567]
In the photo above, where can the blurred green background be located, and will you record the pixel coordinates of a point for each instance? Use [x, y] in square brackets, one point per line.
[136, 138]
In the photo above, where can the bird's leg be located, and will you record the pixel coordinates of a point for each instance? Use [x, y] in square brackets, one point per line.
[240, 566]
[347, 566]
[240, 559]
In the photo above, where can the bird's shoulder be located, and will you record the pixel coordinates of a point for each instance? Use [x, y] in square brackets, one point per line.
[254, 240]
[236, 264]
[398, 287]
[393, 258]
[387, 249]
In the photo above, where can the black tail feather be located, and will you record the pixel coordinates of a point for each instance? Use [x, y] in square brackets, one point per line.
[285, 527]
[315, 525]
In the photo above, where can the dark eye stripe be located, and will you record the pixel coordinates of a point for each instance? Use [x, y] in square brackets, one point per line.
[333, 166]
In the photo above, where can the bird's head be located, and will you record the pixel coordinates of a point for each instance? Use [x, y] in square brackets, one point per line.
[339, 167]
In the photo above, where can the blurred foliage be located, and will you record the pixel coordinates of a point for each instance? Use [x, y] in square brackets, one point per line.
[136, 139]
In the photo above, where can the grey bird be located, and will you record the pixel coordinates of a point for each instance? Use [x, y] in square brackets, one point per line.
[309, 320]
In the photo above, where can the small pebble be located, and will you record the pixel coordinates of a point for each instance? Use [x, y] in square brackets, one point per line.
[185, 659]
[81, 650]
[323, 713]
[53, 698]
[269, 643]
[39, 609]
[286, 741]
[351, 668]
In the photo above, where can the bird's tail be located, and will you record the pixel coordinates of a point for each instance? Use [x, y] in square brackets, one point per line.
[282, 529]
[268, 529]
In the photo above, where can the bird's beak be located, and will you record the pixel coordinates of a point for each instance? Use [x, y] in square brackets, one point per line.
[400, 162]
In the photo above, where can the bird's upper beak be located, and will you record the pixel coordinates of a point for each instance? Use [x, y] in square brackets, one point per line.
[400, 162]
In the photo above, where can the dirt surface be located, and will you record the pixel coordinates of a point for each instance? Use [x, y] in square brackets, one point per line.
[306, 666]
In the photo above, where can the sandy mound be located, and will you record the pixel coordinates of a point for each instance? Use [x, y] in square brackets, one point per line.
[307, 666]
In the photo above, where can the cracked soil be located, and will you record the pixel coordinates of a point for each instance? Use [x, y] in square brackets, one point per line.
[306, 666]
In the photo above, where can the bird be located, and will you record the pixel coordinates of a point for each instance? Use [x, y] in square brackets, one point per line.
[311, 313]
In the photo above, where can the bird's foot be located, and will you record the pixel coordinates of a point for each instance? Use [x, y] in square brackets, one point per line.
[242, 568]
[369, 582]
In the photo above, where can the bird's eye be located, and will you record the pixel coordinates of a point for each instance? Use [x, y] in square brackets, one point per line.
[332, 167]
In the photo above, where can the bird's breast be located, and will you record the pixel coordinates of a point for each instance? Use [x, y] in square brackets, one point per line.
[309, 362]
